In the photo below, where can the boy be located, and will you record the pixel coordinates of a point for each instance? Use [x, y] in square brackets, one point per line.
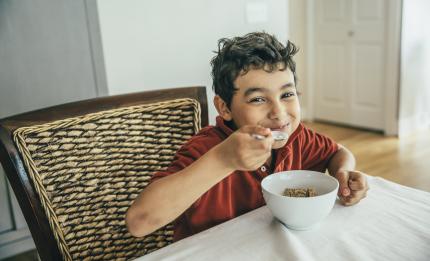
[216, 176]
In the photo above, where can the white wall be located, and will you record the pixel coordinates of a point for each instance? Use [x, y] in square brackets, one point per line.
[156, 44]
[414, 113]
[298, 31]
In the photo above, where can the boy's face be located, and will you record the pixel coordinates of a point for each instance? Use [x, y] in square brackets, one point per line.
[268, 99]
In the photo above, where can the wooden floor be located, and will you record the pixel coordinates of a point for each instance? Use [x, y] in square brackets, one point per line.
[405, 161]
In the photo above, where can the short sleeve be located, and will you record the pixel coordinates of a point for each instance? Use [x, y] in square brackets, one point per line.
[317, 150]
[187, 154]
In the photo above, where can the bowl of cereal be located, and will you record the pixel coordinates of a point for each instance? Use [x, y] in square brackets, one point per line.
[300, 199]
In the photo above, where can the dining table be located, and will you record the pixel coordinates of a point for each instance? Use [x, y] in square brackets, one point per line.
[391, 223]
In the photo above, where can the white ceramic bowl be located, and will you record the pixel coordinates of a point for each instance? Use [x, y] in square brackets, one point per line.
[300, 213]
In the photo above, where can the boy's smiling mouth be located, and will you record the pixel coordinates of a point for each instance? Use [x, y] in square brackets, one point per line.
[281, 128]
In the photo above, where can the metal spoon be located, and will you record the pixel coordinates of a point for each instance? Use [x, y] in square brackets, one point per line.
[277, 135]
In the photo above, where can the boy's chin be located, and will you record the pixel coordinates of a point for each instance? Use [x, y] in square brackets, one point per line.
[279, 144]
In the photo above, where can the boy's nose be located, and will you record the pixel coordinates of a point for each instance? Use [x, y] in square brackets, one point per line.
[277, 112]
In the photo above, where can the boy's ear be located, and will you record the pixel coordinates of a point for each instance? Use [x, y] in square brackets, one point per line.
[222, 108]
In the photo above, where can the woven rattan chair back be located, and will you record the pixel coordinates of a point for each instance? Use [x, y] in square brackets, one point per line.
[86, 170]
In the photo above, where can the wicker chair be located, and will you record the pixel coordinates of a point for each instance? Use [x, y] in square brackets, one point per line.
[76, 168]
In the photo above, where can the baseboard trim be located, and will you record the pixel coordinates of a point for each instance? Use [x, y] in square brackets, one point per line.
[16, 247]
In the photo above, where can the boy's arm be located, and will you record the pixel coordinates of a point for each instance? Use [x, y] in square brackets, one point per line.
[167, 198]
[352, 184]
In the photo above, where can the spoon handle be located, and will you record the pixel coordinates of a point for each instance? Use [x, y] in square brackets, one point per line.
[258, 136]
[277, 135]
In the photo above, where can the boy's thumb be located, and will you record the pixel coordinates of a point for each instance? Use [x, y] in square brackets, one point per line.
[257, 130]
[343, 177]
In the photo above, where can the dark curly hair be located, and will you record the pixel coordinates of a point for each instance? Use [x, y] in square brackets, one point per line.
[238, 55]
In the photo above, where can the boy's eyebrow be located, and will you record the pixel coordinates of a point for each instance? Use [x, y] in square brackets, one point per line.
[260, 89]
[253, 89]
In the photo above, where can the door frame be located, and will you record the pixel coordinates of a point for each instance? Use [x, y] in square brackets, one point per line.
[392, 61]
[96, 47]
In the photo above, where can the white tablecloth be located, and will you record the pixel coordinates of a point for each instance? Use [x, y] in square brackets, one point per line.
[391, 223]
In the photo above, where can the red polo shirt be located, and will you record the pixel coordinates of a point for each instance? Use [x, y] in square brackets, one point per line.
[240, 192]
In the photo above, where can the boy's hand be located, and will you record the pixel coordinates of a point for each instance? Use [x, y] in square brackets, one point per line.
[352, 186]
[242, 151]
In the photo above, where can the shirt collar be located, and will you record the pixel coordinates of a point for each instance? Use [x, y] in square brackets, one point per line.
[220, 123]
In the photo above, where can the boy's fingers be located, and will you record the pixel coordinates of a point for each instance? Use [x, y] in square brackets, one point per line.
[342, 177]
[348, 200]
[260, 133]
[256, 130]
[260, 138]
[356, 184]
[357, 181]
[353, 198]
[356, 175]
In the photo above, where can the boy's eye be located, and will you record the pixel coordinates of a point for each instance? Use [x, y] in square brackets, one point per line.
[288, 94]
[257, 100]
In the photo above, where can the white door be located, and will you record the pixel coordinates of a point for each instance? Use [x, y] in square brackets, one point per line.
[349, 62]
